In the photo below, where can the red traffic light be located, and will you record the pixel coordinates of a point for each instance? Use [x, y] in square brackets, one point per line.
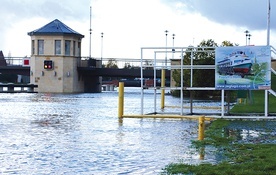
[48, 64]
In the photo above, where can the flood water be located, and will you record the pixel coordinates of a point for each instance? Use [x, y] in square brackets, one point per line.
[81, 134]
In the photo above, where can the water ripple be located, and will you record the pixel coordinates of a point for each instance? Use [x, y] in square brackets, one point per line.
[81, 134]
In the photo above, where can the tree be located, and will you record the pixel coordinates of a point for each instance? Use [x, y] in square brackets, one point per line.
[205, 77]
[228, 43]
[148, 65]
[127, 66]
[112, 63]
[201, 77]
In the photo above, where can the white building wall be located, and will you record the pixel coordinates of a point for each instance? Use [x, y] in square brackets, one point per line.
[63, 78]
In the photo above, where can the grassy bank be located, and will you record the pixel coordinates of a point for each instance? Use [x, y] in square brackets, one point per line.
[255, 103]
[247, 147]
[253, 155]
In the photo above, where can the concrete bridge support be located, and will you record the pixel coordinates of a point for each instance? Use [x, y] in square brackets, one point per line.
[92, 84]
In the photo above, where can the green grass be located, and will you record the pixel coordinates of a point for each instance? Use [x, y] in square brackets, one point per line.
[245, 159]
[254, 157]
[257, 104]
[241, 158]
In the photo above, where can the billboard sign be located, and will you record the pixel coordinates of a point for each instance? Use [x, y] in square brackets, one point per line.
[243, 68]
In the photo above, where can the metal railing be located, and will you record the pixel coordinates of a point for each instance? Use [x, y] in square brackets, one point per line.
[15, 61]
[127, 62]
[273, 50]
[84, 61]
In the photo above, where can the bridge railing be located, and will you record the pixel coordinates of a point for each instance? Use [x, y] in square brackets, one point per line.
[96, 62]
[120, 62]
[14, 61]
[85, 61]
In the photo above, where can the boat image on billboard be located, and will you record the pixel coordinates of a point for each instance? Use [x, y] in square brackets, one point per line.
[236, 63]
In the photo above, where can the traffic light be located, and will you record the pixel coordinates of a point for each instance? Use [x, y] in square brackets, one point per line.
[48, 64]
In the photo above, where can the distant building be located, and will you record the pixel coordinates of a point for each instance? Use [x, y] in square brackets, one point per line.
[174, 62]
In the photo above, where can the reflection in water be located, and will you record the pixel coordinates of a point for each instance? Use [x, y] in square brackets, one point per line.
[202, 153]
[81, 134]
[252, 131]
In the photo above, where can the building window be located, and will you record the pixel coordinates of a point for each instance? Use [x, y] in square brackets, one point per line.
[33, 47]
[79, 49]
[74, 48]
[57, 47]
[67, 47]
[40, 47]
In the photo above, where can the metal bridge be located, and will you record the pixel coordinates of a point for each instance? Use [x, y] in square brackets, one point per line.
[14, 66]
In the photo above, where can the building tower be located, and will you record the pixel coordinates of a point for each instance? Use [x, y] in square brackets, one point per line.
[55, 56]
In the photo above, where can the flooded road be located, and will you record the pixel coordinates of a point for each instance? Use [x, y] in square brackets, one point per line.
[81, 134]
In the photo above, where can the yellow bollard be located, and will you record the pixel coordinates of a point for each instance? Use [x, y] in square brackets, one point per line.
[163, 90]
[201, 126]
[121, 100]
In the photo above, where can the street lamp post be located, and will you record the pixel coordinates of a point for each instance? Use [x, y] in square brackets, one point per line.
[166, 33]
[102, 49]
[90, 32]
[173, 50]
[246, 35]
[249, 35]
[163, 77]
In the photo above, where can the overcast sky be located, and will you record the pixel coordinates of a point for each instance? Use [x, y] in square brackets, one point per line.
[129, 25]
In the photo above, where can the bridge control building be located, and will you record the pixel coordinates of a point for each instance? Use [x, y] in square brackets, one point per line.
[55, 56]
